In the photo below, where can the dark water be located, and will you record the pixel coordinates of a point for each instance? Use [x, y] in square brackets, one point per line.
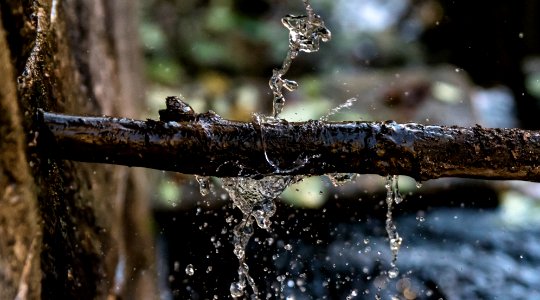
[340, 251]
[453, 254]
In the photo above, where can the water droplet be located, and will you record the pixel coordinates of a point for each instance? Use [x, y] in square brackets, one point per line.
[288, 247]
[352, 295]
[263, 212]
[339, 179]
[290, 283]
[393, 272]
[347, 104]
[204, 184]
[398, 198]
[189, 270]
[418, 184]
[237, 290]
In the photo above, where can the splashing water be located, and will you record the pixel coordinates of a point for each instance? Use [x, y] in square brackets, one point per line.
[305, 34]
[255, 198]
[204, 184]
[339, 179]
[262, 122]
[347, 104]
[392, 196]
[242, 234]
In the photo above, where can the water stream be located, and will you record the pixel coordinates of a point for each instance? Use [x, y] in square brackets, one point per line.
[392, 197]
[305, 34]
[255, 197]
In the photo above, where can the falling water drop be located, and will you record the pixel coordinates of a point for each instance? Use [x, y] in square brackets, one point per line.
[352, 295]
[190, 270]
[237, 290]
[204, 184]
[392, 194]
[263, 212]
[396, 195]
[255, 198]
[420, 216]
[393, 272]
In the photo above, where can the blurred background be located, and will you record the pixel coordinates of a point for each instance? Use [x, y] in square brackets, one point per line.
[428, 61]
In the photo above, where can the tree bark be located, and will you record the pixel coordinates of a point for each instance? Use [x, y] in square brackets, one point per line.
[20, 226]
[206, 144]
[71, 237]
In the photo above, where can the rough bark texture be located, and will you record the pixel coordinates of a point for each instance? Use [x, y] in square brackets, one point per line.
[208, 145]
[77, 57]
[20, 229]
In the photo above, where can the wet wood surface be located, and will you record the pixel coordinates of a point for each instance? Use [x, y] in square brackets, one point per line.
[207, 144]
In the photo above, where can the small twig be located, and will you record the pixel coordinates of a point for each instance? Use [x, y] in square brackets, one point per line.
[206, 144]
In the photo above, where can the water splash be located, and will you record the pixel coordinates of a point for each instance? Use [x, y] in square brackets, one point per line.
[305, 34]
[261, 122]
[347, 104]
[339, 179]
[392, 196]
[242, 233]
[255, 198]
[204, 184]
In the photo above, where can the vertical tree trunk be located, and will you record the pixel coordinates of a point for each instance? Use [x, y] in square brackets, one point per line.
[20, 228]
[83, 232]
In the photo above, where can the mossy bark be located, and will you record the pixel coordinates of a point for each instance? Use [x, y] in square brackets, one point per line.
[77, 57]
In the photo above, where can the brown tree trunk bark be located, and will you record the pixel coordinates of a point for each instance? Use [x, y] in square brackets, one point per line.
[20, 229]
[67, 231]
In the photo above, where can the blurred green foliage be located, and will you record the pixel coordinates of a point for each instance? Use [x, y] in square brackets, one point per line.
[219, 54]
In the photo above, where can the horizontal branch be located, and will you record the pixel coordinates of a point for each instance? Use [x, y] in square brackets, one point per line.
[206, 144]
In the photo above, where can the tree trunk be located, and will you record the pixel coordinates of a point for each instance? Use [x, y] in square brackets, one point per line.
[67, 231]
[20, 242]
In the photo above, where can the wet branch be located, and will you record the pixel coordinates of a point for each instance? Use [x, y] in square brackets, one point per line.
[206, 144]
